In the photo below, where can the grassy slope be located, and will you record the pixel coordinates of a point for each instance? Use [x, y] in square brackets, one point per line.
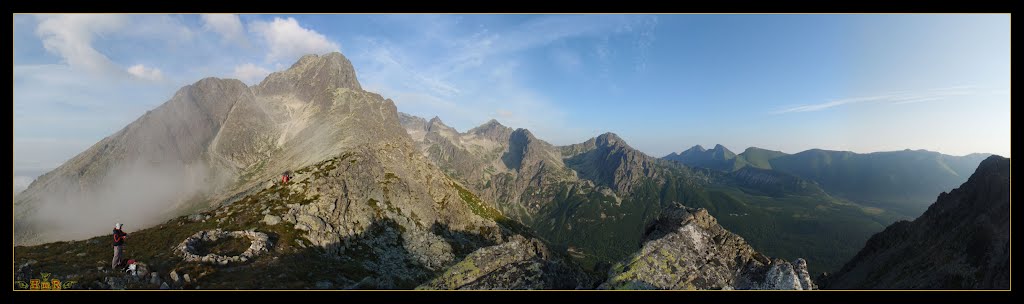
[290, 264]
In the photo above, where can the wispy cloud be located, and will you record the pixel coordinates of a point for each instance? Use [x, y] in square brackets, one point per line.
[468, 73]
[904, 97]
[71, 38]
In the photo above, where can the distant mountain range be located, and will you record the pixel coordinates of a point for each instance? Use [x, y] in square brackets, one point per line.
[904, 182]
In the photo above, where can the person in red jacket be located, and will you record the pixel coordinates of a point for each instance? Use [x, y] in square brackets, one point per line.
[119, 237]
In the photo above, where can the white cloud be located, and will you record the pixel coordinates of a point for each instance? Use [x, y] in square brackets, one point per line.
[71, 37]
[389, 64]
[287, 40]
[142, 72]
[895, 98]
[228, 26]
[250, 73]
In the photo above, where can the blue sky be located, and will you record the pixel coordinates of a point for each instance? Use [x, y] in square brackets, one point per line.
[861, 83]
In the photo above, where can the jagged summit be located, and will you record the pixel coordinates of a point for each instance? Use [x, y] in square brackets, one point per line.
[492, 122]
[610, 139]
[695, 148]
[493, 130]
[435, 124]
[312, 77]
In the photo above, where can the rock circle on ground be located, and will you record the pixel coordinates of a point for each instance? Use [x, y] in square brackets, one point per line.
[260, 243]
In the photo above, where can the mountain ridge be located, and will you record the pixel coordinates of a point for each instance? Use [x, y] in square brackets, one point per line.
[890, 180]
[961, 242]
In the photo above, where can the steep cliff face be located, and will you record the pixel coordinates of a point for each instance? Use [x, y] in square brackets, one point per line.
[687, 249]
[961, 242]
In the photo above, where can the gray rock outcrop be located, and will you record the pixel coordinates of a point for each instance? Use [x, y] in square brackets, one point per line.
[519, 263]
[687, 249]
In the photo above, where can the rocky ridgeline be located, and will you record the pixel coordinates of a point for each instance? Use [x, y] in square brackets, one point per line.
[187, 249]
[519, 263]
[687, 249]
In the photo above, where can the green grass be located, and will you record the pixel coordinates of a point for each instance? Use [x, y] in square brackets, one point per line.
[476, 205]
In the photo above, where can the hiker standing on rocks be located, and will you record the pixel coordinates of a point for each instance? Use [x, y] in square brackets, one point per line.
[119, 237]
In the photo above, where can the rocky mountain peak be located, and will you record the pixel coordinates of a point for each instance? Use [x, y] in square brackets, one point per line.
[610, 140]
[436, 125]
[312, 77]
[522, 135]
[492, 129]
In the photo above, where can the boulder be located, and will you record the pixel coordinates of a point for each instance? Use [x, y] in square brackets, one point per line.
[175, 279]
